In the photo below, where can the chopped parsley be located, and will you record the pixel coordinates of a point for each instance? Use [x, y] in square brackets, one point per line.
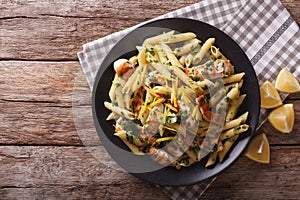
[237, 128]
[118, 85]
[129, 138]
[195, 78]
[151, 51]
[195, 49]
[228, 100]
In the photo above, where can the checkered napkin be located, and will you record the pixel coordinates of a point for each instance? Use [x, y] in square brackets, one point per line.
[264, 29]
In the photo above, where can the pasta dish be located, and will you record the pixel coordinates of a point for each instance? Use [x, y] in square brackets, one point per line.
[177, 100]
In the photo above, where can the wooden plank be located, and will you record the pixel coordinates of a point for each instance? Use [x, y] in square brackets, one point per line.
[41, 81]
[46, 124]
[45, 103]
[63, 172]
[31, 32]
[90, 9]
[58, 32]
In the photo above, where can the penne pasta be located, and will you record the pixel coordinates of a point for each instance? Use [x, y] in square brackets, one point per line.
[156, 39]
[234, 78]
[119, 111]
[178, 102]
[226, 147]
[232, 123]
[234, 131]
[204, 50]
[111, 116]
[189, 60]
[211, 159]
[189, 47]
[134, 149]
[142, 57]
[183, 77]
[244, 117]
[235, 104]
[171, 56]
[179, 37]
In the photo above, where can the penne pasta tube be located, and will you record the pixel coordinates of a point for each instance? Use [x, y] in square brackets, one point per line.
[192, 155]
[156, 39]
[182, 60]
[189, 47]
[119, 100]
[178, 37]
[222, 106]
[244, 117]
[205, 83]
[226, 147]
[171, 56]
[128, 85]
[133, 60]
[235, 104]
[135, 149]
[111, 93]
[142, 57]
[204, 50]
[189, 60]
[231, 85]
[216, 53]
[138, 82]
[211, 159]
[233, 78]
[119, 111]
[216, 97]
[233, 123]
[234, 131]
[143, 115]
[232, 93]
[162, 55]
[183, 77]
[111, 116]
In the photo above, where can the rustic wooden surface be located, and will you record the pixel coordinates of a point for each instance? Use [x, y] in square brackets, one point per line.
[42, 155]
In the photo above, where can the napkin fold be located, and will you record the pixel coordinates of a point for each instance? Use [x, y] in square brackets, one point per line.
[264, 29]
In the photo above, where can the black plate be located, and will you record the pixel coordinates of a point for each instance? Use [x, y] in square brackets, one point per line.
[125, 48]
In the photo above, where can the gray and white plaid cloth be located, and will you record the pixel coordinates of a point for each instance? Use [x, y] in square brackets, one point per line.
[264, 29]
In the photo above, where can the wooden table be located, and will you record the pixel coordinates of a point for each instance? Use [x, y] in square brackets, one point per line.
[41, 154]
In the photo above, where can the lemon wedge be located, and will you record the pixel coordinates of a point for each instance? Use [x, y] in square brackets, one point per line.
[259, 149]
[286, 82]
[269, 96]
[282, 118]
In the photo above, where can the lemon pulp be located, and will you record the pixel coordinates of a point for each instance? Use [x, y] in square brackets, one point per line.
[282, 118]
[259, 149]
[286, 82]
[269, 96]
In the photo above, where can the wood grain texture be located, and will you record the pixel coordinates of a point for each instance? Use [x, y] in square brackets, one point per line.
[38, 81]
[58, 32]
[36, 172]
[64, 173]
[29, 31]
